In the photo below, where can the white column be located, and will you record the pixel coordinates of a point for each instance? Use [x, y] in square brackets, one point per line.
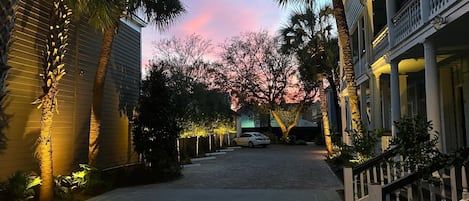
[390, 11]
[343, 112]
[403, 94]
[395, 97]
[432, 90]
[376, 114]
[363, 105]
[376, 119]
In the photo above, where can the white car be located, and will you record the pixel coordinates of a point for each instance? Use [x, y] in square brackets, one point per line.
[251, 139]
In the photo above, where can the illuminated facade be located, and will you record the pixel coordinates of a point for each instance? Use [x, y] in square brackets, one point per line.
[411, 57]
[71, 125]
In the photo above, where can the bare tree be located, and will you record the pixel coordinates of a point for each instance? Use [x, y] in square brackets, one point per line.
[255, 71]
[188, 56]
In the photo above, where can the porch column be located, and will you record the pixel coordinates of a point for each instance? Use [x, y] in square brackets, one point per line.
[432, 90]
[376, 120]
[376, 114]
[395, 96]
[364, 116]
[390, 11]
[403, 94]
[343, 112]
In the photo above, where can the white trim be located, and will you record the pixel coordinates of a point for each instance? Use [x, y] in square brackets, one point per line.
[134, 22]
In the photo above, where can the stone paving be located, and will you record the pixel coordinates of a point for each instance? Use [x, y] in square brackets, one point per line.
[278, 172]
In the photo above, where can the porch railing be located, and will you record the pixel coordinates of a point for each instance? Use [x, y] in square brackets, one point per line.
[380, 169]
[381, 179]
[380, 44]
[415, 14]
[407, 20]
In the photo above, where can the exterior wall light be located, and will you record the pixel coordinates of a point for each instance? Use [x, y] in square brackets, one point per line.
[438, 22]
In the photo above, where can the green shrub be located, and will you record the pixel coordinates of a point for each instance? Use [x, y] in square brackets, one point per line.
[415, 142]
[156, 130]
[364, 144]
[20, 186]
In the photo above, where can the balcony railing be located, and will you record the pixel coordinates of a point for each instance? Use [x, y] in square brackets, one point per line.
[408, 20]
[380, 44]
[437, 6]
[382, 178]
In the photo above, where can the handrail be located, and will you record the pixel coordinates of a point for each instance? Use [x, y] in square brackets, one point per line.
[457, 158]
[389, 153]
[408, 179]
[400, 12]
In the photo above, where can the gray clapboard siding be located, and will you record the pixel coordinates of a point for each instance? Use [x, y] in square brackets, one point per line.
[71, 124]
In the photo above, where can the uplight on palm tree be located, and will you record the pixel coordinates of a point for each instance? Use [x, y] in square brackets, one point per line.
[53, 71]
[308, 35]
[105, 16]
[344, 41]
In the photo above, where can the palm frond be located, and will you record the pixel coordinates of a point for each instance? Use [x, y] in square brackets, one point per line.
[160, 12]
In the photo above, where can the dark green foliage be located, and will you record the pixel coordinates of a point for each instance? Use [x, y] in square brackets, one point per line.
[362, 148]
[7, 24]
[364, 143]
[20, 186]
[416, 142]
[156, 130]
[87, 180]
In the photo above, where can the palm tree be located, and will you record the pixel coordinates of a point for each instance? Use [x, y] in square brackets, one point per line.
[7, 23]
[105, 16]
[308, 35]
[344, 40]
[53, 71]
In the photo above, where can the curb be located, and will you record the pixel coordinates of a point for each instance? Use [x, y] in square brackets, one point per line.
[203, 158]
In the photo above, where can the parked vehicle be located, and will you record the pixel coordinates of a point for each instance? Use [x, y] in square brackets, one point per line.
[251, 139]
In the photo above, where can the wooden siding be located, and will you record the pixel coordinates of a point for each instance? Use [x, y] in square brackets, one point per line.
[71, 125]
[121, 91]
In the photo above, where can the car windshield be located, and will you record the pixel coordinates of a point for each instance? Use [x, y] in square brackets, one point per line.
[258, 135]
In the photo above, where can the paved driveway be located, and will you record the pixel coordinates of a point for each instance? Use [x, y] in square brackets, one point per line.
[278, 172]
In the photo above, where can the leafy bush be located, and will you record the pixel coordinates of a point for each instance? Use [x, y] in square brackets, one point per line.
[361, 150]
[364, 144]
[155, 129]
[415, 142]
[87, 180]
[20, 186]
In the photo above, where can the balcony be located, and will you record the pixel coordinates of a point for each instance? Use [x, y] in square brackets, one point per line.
[407, 21]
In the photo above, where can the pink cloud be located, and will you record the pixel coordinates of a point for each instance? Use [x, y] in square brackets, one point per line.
[218, 20]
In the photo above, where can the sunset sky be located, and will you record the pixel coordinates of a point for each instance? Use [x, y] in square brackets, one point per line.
[218, 20]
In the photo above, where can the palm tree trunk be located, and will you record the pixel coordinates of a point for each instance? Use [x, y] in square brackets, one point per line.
[335, 103]
[45, 152]
[325, 118]
[344, 39]
[53, 71]
[98, 88]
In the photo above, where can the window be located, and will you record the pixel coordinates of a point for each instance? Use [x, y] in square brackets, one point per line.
[362, 35]
[354, 44]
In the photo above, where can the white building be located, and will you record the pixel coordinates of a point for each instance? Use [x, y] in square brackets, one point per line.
[411, 57]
